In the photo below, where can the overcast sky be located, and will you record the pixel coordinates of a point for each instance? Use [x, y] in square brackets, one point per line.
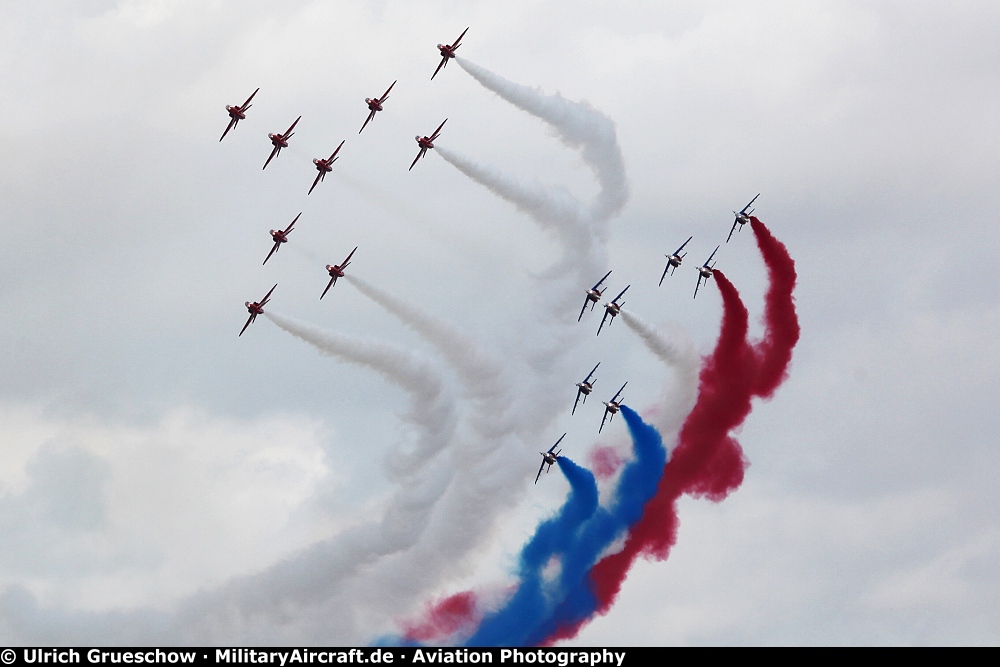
[152, 462]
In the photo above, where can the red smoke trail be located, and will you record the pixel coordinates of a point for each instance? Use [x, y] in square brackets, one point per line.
[781, 334]
[444, 618]
[707, 460]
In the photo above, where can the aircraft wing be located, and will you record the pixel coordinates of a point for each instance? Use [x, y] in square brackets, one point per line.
[288, 132]
[601, 280]
[319, 177]
[419, 155]
[440, 65]
[602, 320]
[455, 45]
[232, 124]
[678, 251]
[330, 284]
[540, 468]
[579, 392]
[735, 222]
[604, 420]
[249, 320]
[348, 260]
[274, 151]
[438, 131]
[744, 211]
[273, 250]
[665, 273]
[621, 294]
[386, 96]
[585, 302]
[246, 105]
[371, 114]
[696, 287]
[594, 370]
[615, 399]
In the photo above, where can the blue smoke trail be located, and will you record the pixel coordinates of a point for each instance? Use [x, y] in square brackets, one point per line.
[578, 534]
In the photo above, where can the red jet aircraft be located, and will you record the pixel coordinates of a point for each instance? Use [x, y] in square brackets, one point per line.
[336, 271]
[427, 142]
[280, 236]
[448, 52]
[324, 167]
[256, 308]
[280, 141]
[374, 106]
[236, 114]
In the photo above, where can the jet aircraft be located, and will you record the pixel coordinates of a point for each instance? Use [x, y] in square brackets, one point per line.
[280, 141]
[336, 271]
[612, 407]
[593, 295]
[427, 142]
[280, 236]
[584, 388]
[324, 167]
[705, 271]
[612, 308]
[549, 458]
[374, 106]
[236, 114]
[674, 260]
[256, 308]
[742, 218]
[448, 52]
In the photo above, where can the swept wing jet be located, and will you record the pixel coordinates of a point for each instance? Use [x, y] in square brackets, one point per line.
[742, 218]
[584, 388]
[612, 308]
[256, 308]
[427, 142]
[280, 141]
[448, 52]
[280, 236]
[705, 271]
[593, 295]
[374, 106]
[674, 260]
[549, 458]
[612, 407]
[324, 167]
[336, 271]
[236, 114]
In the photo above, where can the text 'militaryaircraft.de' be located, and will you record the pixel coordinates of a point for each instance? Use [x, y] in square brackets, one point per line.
[279, 141]
[427, 142]
[236, 114]
[742, 218]
[549, 458]
[256, 308]
[336, 271]
[374, 106]
[584, 388]
[448, 52]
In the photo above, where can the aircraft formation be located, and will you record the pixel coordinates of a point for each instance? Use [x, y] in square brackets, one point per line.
[593, 295]
[613, 307]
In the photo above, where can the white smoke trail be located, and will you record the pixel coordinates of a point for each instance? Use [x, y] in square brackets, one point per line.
[433, 408]
[674, 347]
[578, 125]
